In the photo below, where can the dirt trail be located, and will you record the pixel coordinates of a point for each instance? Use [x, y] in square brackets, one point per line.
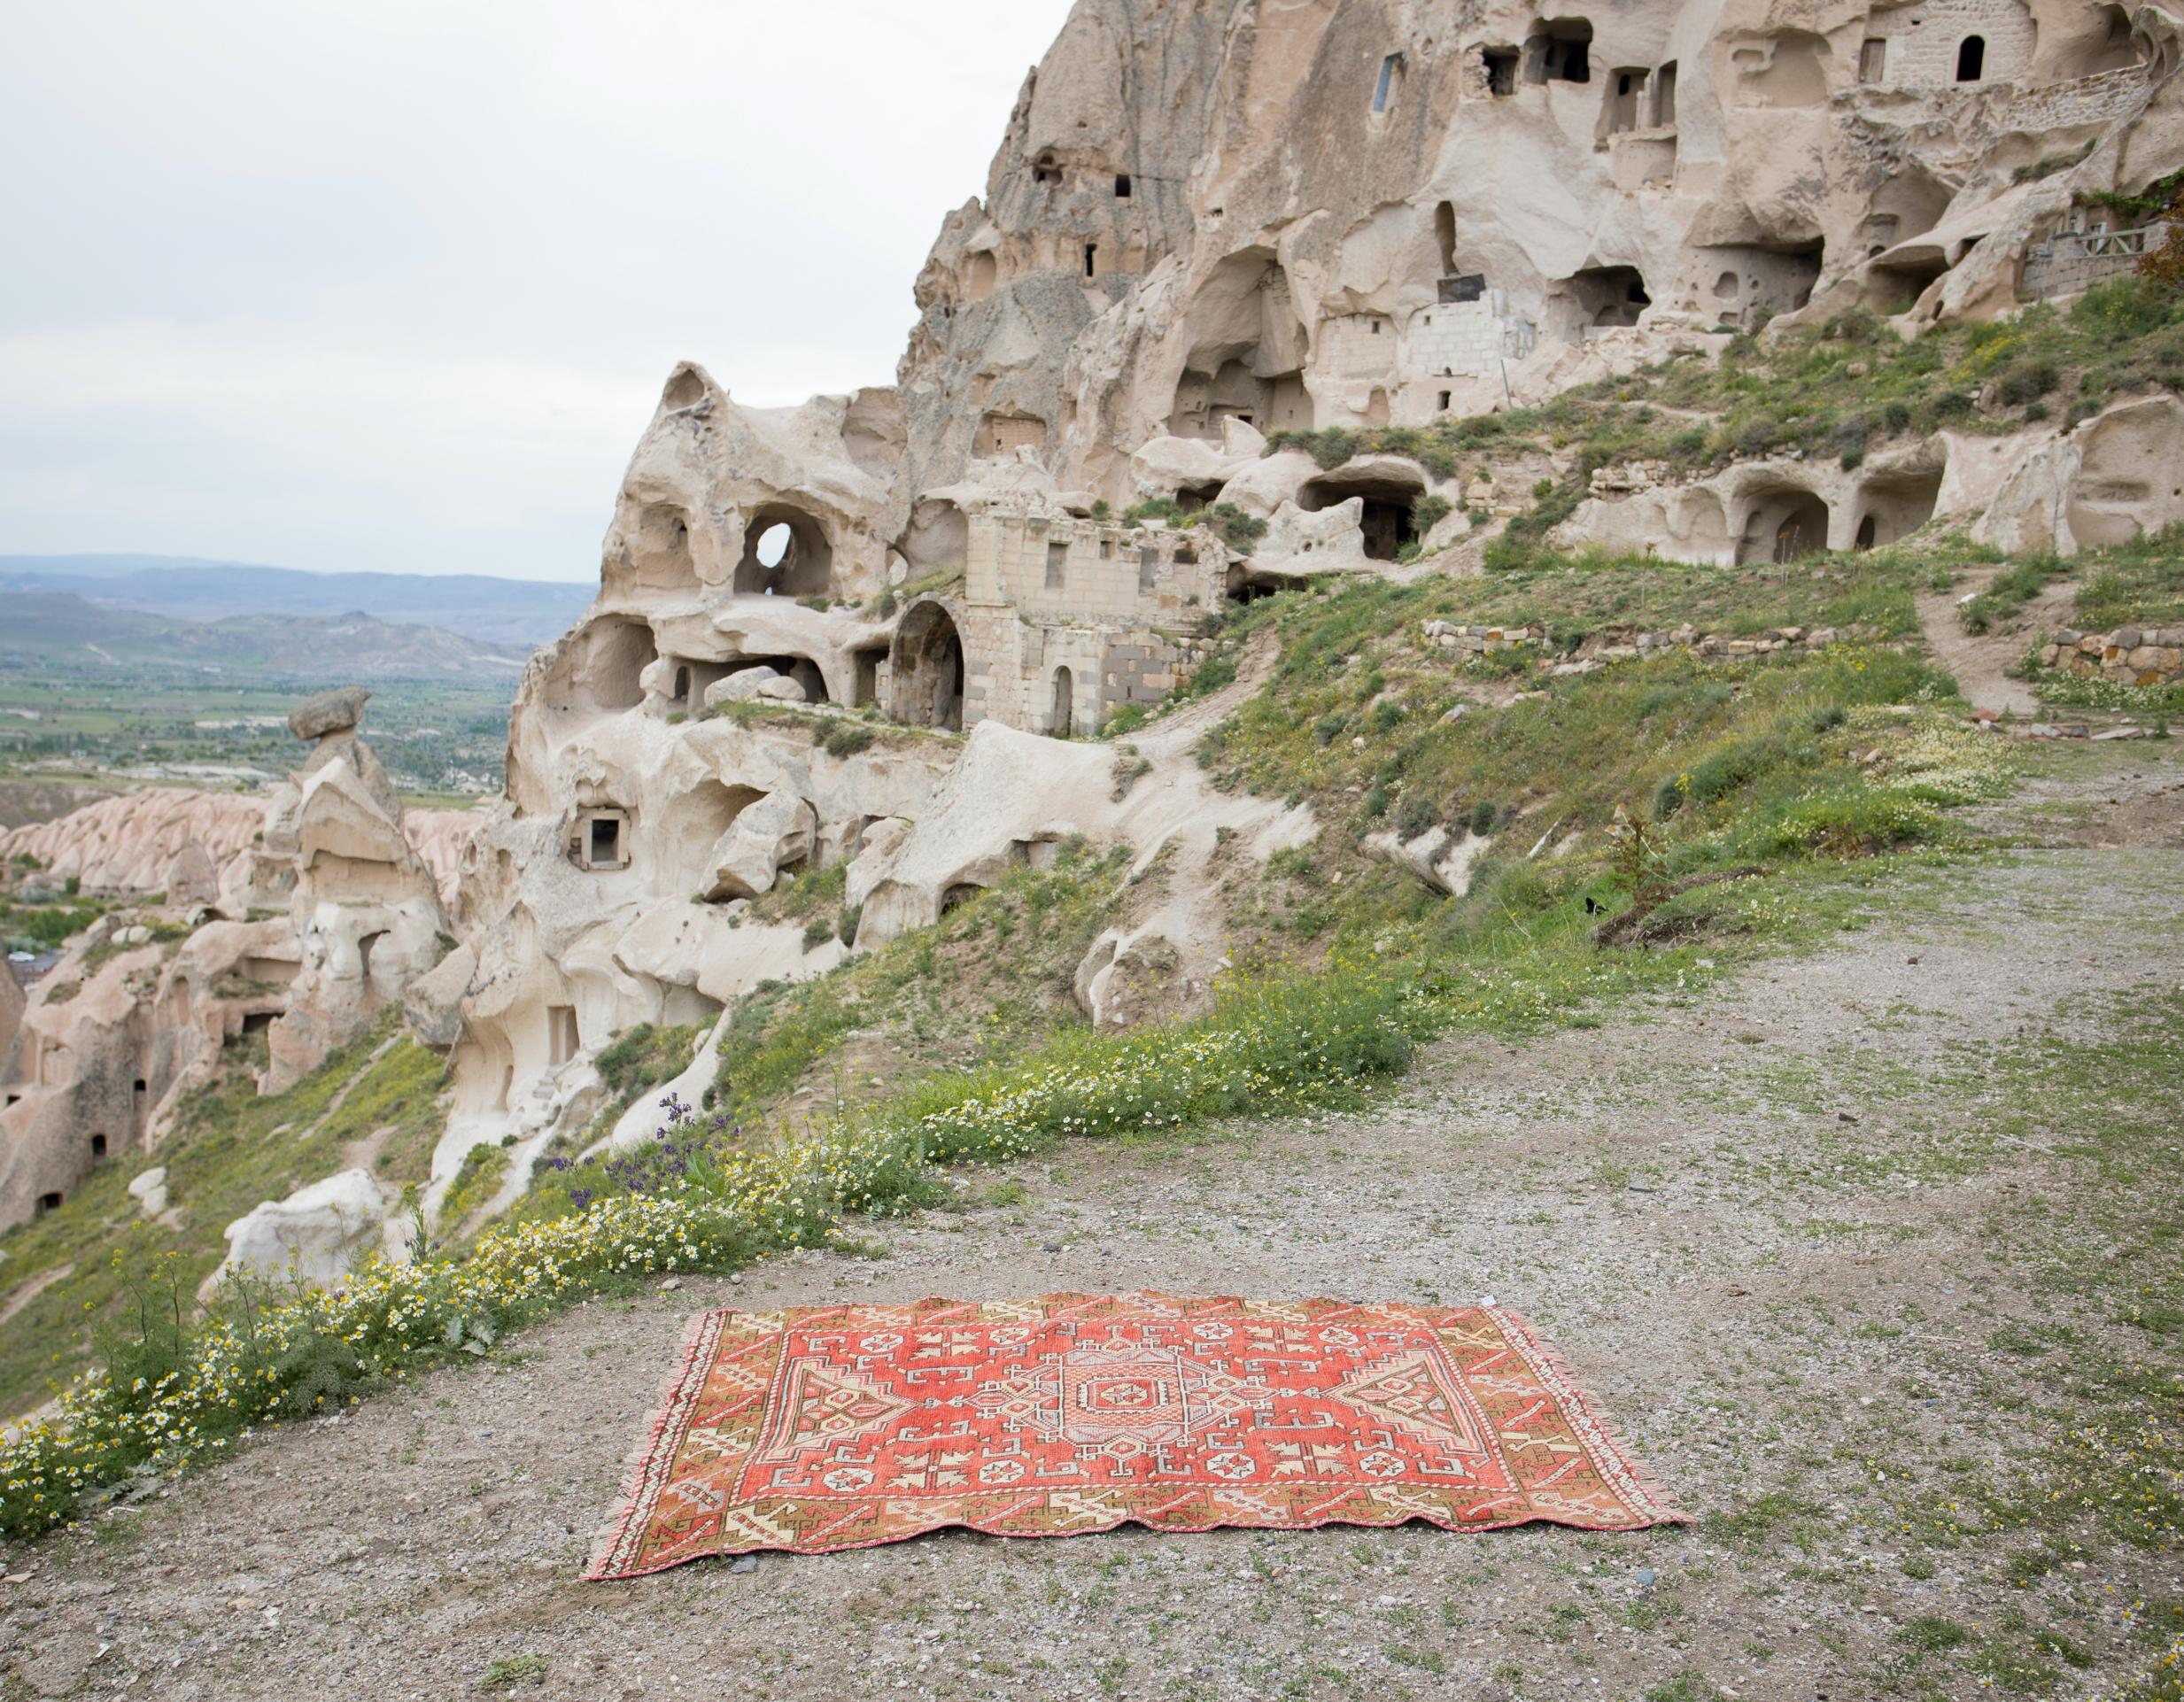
[1784, 1330]
[1980, 660]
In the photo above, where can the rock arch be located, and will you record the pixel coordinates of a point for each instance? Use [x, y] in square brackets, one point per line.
[786, 553]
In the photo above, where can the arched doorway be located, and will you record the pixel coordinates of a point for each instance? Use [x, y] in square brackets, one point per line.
[1061, 723]
[927, 668]
[1783, 525]
[1801, 532]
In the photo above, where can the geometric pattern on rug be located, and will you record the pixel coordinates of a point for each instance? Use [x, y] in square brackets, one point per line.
[819, 1428]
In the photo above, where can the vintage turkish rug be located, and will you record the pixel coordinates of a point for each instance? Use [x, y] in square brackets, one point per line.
[818, 1428]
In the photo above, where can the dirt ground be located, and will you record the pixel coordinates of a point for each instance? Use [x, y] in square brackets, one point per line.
[1793, 1317]
[1981, 662]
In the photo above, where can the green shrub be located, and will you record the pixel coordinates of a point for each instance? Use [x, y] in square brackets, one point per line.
[1239, 531]
[1416, 817]
[2027, 380]
[846, 738]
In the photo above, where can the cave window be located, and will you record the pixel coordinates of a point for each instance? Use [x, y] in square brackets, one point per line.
[1148, 567]
[1122, 186]
[1057, 563]
[1185, 556]
[1622, 105]
[1107, 549]
[1446, 398]
[1664, 96]
[1873, 60]
[1046, 169]
[257, 1022]
[49, 1203]
[600, 841]
[1501, 69]
[364, 953]
[1562, 51]
[98, 1147]
[1391, 80]
[980, 270]
[1091, 259]
[1971, 59]
[563, 1039]
[681, 693]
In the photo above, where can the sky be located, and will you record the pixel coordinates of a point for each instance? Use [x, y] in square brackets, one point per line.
[396, 286]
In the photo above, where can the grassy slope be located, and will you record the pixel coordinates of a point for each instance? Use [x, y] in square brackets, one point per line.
[1794, 760]
[230, 1150]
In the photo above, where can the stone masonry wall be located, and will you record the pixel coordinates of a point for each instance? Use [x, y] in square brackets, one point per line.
[2137, 655]
[1457, 338]
[1923, 40]
[2068, 264]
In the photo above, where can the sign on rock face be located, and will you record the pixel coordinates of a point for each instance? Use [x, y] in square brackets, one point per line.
[814, 1430]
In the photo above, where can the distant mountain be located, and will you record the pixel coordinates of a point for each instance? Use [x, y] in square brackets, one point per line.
[525, 612]
[60, 626]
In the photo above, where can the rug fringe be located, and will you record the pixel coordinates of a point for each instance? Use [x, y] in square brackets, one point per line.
[668, 1398]
[1518, 1328]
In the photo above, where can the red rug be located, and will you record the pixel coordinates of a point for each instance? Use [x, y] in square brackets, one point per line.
[817, 1429]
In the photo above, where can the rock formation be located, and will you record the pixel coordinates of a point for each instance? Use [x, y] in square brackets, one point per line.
[138, 1011]
[1207, 223]
[129, 843]
[365, 909]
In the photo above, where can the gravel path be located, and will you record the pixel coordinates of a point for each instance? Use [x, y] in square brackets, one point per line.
[1674, 1195]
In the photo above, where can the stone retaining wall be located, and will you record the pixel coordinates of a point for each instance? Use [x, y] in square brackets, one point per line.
[2138, 656]
[1628, 644]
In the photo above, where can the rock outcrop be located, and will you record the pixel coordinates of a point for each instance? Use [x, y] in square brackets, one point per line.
[136, 1012]
[364, 907]
[128, 844]
[318, 1235]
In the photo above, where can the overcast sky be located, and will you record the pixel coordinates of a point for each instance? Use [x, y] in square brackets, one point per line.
[396, 286]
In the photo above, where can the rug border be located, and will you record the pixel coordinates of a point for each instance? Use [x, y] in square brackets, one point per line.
[672, 1396]
[678, 1392]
